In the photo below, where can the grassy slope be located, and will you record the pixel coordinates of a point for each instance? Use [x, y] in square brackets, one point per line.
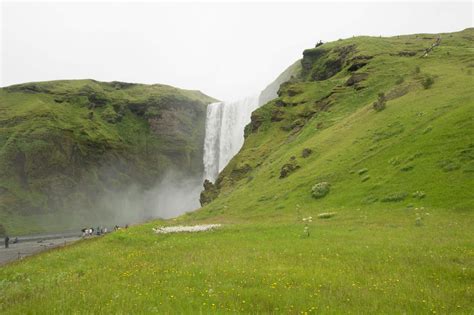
[55, 157]
[369, 258]
[429, 130]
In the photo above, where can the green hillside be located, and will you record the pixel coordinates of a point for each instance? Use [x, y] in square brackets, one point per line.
[387, 179]
[418, 151]
[63, 144]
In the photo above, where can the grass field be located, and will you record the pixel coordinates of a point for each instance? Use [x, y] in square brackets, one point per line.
[359, 261]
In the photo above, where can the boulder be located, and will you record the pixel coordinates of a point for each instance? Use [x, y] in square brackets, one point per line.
[320, 190]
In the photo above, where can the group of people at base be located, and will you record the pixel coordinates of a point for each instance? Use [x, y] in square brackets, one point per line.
[100, 230]
[90, 231]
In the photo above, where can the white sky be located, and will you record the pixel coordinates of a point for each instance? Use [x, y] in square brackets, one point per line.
[226, 50]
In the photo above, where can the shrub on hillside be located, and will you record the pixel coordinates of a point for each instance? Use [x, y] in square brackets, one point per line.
[427, 82]
[395, 197]
[400, 80]
[379, 105]
[448, 165]
[407, 168]
[306, 152]
[370, 199]
[320, 190]
[110, 115]
[419, 194]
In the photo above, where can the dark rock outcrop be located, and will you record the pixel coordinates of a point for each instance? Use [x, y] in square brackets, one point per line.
[320, 64]
[306, 152]
[288, 168]
[277, 115]
[209, 193]
[356, 78]
[356, 66]
[329, 69]
[256, 121]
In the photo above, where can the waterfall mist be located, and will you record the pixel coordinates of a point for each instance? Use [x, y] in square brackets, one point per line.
[174, 194]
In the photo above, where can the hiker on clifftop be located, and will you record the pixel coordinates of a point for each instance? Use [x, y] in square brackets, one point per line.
[7, 241]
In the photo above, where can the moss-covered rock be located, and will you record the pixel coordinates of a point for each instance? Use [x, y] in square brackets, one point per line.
[320, 190]
[209, 193]
[288, 168]
[256, 121]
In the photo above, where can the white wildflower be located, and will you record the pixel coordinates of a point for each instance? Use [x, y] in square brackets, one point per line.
[181, 228]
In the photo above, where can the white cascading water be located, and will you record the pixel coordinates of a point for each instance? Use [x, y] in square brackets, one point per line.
[225, 123]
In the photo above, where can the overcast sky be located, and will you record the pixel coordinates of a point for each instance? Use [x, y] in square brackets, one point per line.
[227, 50]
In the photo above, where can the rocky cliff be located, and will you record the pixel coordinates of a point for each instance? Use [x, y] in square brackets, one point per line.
[63, 144]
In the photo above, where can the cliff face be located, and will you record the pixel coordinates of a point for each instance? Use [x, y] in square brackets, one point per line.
[64, 144]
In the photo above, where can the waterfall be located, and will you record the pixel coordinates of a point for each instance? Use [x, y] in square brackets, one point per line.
[211, 141]
[225, 123]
